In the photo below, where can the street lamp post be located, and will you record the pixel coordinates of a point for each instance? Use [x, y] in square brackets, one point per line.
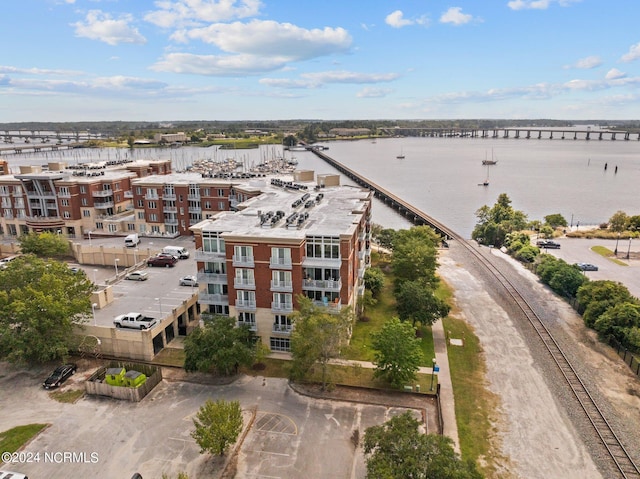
[629, 248]
[615, 251]
[116, 263]
[93, 310]
[160, 305]
[433, 372]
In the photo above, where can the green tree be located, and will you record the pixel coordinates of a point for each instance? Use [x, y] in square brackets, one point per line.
[555, 220]
[385, 238]
[596, 297]
[634, 223]
[397, 352]
[618, 222]
[220, 345]
[217, 425]
[415, 255]
[374, 280]
[41, 303]
[496, 222]
[46, 245]
[398, 450]
[317, 337]
[617, 320]
[416, 301]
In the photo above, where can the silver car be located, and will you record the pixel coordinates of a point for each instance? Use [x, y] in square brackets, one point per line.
[188, 281]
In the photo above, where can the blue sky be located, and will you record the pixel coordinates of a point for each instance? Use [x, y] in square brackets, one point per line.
[92, 60]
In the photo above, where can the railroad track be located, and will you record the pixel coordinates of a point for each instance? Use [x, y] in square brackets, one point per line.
[610, 440]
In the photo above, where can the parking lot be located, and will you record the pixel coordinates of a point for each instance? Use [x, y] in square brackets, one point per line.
[578, 250]
[291, 436]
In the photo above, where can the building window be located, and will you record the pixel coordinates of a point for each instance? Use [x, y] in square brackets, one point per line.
[247, 318]
[155, 229]
[99, 225]
[86, 213]
[220, 192]
[141, 215]
[153, 217]
[64, 191]
[221, 205]
[244, 277]
[83, 189]
[243, 253]
[280, 344]
[64, 202]
[153, 205]
[281, 279]
[211, 242]
[219, 309]
[84, 202]
[66, 214]
[323, 247]
[113, 228]
[207, 205]
[131, 226]
[206, 192]
[283, 300]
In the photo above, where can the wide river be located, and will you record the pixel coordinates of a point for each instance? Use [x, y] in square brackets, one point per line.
[443, 176]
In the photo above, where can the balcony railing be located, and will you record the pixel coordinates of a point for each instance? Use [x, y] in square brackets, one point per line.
[282, 328]
[252, 325]
[244, 283]
[207, 298]
[280, 263]
[333, 285]
[170, 209]
[243, 261]
[279, 307]
[207, 277]
[104, 204]
[168, 196]
[330, 306]
[246, 304]
[101, 193]
[322, 262]
[208, 255]
[284, 286]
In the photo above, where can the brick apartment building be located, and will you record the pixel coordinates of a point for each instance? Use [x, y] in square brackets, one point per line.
[291, 239]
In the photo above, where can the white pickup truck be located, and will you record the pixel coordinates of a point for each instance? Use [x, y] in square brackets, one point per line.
[134, 321]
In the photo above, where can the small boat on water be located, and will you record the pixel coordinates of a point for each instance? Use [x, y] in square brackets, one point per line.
[401, 155]
[485, 182]
[491, 161]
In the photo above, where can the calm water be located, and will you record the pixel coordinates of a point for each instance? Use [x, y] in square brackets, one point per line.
[441, 175]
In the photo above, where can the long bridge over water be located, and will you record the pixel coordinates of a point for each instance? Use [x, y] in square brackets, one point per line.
[516, 133]
[413, 214]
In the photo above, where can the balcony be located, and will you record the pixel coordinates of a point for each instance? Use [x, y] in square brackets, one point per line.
[208, 277]
[168, 196]
[361, 254]
[207, 298]
[282, 286]
[64, 194]
[252, 325]
[194, 209]
[332, 285]
[282, 329]
[309, 261]
[278, 307]
[330, 306]
[246, 304]
[4, 192]
[170, 209]
[244, 283]
[128, 194]
[170, 221]
[101, 193]
[6, 204]
[280, 263]
[243, 261]
[208, 255]
[103, 205]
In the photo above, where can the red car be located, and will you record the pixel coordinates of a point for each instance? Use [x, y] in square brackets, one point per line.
[162, 260]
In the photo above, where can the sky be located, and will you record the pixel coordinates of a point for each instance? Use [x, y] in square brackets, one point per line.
[163, 60]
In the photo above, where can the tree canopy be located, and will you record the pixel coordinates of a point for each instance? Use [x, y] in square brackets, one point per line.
[317, 337]
[415, 255]
[417, 302]
[46, 245]
[397, 352]
[220, 345]
[217, 425]
[496, 222]
[40, 304]
[398, 450]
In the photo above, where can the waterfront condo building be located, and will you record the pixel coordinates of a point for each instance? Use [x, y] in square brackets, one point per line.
[293, 238]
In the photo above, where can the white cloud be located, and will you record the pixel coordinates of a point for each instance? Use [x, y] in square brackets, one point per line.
[396, 20]
[254, 47]
[36, 71]
[369, 92]
[586, 63]
[538, 4]
[615, 74]
[318, 79]
[455, 16]
[633, 54]
[101, 26]
[181, 13]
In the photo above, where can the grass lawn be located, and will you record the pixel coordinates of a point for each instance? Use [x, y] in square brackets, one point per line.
[13, 439]
[69, 396]
[607, 253]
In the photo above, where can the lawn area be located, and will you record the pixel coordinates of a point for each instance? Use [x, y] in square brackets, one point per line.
[473, 402]
[69, 396]
[607, 253]
[13, 439]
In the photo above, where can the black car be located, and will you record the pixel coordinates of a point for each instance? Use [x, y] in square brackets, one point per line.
[59, 376]
[549, 244]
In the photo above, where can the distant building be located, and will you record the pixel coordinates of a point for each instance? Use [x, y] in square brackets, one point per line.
[349, 131]
[170, 137]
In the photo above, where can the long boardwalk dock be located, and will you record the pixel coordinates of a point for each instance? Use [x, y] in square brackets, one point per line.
[413, 214]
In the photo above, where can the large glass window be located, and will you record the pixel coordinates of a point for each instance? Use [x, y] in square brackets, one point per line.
[280, 344]
[212, 242]
[323, 247]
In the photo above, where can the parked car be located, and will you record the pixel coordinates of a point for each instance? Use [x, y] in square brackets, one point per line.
[549, 244]
[167, 255]
[188, 281]
[166, 261]
[587, 267]
[59, 375]
[137, 276]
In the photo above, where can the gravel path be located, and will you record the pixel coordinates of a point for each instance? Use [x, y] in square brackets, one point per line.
[540, 426]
